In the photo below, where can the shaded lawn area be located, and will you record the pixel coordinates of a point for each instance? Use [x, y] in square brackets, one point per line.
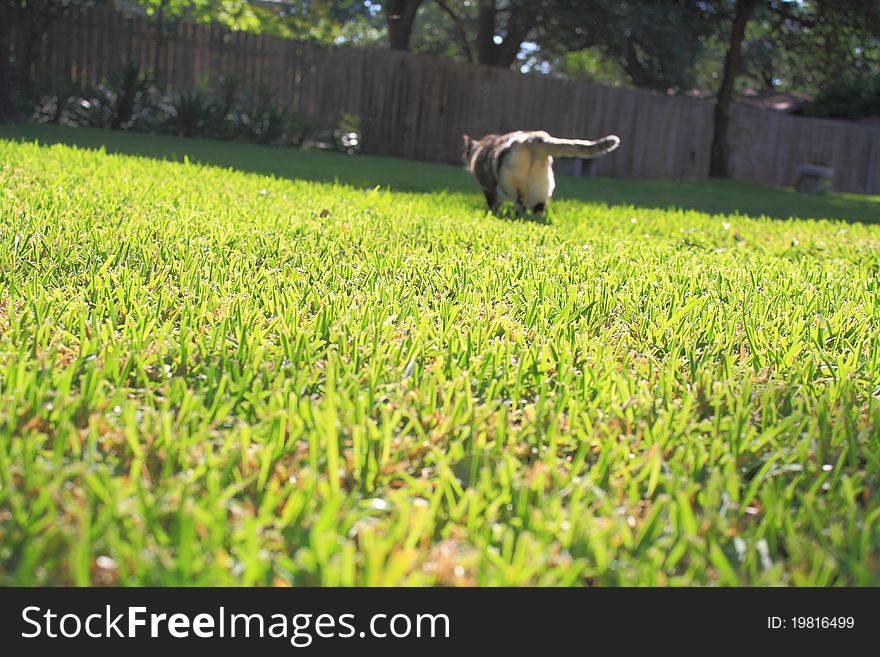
[710, 196]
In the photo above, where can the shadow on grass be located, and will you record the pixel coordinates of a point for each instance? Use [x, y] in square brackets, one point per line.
[710, 196]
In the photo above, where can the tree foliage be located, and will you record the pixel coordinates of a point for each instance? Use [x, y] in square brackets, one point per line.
[235, 14]
[808, 45]
[323, 21]
[653, 43]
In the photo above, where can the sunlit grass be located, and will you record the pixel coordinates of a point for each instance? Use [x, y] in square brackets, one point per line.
[211, 377]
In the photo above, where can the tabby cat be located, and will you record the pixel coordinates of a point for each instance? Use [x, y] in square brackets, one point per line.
[518, 166]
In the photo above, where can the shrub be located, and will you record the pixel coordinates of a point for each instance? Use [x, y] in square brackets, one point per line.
[298, 129]
[847, 98]
[347, 135]
[262, 122]
[129, 101]
[193, 113]
[226, 115]
[125, 102]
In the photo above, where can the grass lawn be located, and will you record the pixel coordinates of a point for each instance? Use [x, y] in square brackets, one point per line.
[718, 196]
[211, 376]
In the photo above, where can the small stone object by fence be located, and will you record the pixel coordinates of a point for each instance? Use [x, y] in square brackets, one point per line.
[814, 178]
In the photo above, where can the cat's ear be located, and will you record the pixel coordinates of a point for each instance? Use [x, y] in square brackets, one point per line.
[467, 147]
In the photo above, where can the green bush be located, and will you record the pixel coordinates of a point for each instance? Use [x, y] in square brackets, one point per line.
[262, 122]
[129, 101]
[193, 111]
[847, 98]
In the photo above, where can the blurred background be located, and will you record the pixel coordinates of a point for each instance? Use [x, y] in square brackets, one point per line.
[771, 91]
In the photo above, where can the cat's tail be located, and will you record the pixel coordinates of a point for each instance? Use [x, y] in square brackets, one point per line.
[580, 148]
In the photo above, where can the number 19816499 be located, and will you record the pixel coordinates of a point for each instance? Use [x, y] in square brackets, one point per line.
[811, 623]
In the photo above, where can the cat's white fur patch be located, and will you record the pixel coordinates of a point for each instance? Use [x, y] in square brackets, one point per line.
[526, 171]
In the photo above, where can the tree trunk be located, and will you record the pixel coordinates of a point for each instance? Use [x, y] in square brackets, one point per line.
[719, 155]
[400, 16]
[486, 33]
[634, 68]
[160, 40]
[7, 98]
[520, 21]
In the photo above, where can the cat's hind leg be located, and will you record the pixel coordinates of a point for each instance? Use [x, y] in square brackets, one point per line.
[491, 200]
[519, 205]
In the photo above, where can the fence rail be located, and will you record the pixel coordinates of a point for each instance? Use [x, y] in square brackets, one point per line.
[417, 106]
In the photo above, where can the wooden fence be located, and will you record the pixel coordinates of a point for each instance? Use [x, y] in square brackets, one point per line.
[417, 107]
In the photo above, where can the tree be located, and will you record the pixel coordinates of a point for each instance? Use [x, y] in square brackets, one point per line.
[653, 44]
[502, 30]
[809, 45]
[165, 14]
[322, 21]
[490, 32]
[719, 154]
[400, 16]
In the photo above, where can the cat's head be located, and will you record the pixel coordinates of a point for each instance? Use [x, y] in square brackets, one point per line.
[467, 149]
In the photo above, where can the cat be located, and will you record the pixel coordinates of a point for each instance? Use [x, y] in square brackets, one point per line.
[518, 166]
